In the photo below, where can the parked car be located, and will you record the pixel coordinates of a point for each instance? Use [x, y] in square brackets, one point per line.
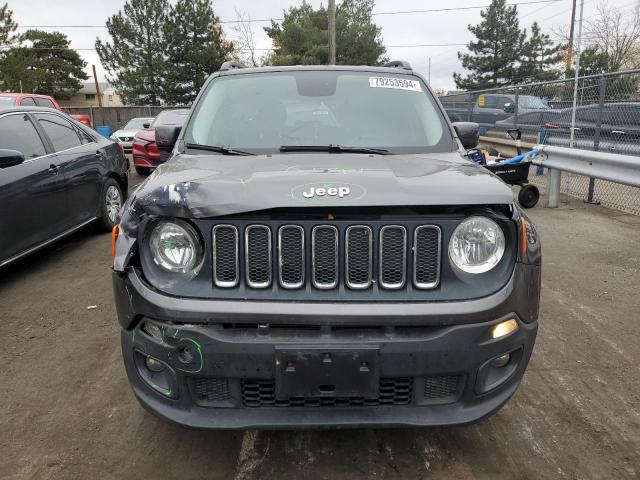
[530, 123]
[125, 135]
[318, 251]
[146, 156]
[32, 99]
[27, 100]
[489, 108]
[56, 176]
[619, 130]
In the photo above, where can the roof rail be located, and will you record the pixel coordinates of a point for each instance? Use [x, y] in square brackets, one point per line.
[398, 64]
[230, 65]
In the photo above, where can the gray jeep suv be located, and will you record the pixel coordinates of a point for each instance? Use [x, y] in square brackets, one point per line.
[319, 252]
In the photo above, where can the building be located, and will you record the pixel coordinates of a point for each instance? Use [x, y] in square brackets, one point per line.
[87, 96]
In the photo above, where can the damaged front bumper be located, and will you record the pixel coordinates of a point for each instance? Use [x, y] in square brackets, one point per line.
[242, 364]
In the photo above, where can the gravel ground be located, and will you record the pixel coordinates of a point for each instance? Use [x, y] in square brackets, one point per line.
[66, 410]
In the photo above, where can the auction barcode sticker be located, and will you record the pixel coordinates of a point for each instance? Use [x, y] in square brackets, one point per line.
[394, 82]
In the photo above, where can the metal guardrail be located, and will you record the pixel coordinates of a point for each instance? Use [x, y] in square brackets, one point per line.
[620, 169]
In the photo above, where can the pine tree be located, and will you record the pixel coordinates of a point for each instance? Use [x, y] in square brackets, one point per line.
[136, 61]
[47, 66]
[495, 55]
[195, 47]
[539, 58]
[302, 37]
[7, 28]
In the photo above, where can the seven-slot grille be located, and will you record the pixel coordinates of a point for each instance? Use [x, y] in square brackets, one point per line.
[357, 256]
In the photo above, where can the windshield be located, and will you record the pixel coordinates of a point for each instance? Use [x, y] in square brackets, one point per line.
[531, 102]
[262, 112]
[137, 123]
[171, 117]
[7, 101]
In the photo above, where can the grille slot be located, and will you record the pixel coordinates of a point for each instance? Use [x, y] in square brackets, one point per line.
[393, 256]
[359, 257]
[426, 256]
[324, 256]
[208, 391]
[225, 256]
[442, 388]
[392, 391]
[258, 256]
[291, 258]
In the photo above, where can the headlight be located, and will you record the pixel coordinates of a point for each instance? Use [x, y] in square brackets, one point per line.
[175, 246]
[477, 245]
[114, 138]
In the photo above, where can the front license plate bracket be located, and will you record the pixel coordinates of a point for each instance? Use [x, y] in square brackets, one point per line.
[317, 372]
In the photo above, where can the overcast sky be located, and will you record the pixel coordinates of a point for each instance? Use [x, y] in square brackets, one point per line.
[399, 29]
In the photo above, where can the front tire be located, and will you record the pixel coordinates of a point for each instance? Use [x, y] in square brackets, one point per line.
[144, 171]
[111, 201]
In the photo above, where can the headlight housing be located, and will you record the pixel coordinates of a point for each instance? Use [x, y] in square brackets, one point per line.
[477, 245]
[175, 247]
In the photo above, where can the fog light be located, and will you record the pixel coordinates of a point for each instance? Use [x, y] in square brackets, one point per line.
[501, 361]
[504, 328]
[154, 365]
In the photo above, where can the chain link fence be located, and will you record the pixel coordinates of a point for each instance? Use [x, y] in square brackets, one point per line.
[607, 118]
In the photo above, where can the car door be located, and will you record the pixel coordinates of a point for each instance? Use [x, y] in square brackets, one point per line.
[33, 202]
[81, 163]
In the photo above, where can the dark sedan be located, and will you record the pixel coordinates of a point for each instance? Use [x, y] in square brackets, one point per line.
[530, 122]
[56, 176]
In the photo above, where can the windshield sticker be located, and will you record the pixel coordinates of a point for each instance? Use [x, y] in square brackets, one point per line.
[398, 83]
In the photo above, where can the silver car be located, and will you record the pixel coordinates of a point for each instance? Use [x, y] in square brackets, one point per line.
[125, 135]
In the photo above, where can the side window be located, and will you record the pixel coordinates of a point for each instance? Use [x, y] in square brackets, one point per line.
[45, 102]
[18, 133]
[27, 102]
[61, 133]
[85, 137]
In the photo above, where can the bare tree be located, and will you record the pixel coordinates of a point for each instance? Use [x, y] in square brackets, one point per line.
[617, 33]
[245, 42]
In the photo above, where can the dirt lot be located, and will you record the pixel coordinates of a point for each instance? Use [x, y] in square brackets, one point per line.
[66, 410]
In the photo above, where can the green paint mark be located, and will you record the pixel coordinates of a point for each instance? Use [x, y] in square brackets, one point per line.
[199, 349]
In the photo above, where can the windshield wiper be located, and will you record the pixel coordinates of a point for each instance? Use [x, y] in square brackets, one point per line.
[333, 149]
[219, 149]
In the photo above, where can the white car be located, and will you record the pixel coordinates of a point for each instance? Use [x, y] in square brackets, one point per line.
[125, 135]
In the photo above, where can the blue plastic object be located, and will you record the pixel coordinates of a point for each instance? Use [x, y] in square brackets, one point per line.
[520, 158]
[104, 130]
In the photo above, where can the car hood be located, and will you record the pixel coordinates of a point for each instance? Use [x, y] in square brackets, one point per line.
[125, 133]
[197, 186]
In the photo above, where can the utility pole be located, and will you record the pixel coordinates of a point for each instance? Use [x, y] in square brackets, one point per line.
[577, 75]
[332, 32]
[95, 79]
[569, 57]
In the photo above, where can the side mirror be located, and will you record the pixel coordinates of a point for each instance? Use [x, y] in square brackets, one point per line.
[514, 133]
[468, 133]
[167, 136]
[10, 158]
[146, 125]
[509, 108]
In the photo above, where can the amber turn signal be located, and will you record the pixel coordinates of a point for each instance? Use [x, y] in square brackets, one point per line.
[504, 328]
[114, 238]
[523, 238]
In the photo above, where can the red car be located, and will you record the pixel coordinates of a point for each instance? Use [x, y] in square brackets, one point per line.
[35, 100]
[27, 100]
[146, 156]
